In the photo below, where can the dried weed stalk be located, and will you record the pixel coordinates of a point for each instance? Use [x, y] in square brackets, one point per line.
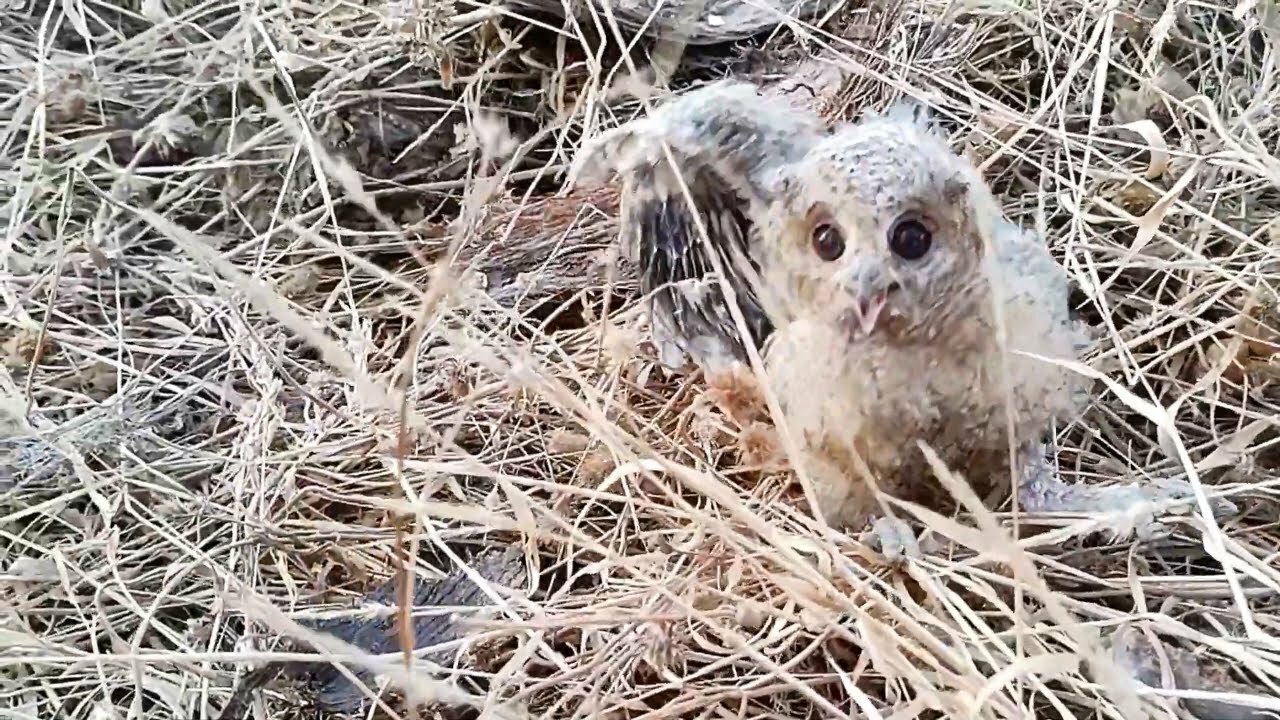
[288, 295]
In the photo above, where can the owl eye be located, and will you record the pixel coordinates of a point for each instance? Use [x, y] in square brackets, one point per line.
[828, 243]
[909, 239]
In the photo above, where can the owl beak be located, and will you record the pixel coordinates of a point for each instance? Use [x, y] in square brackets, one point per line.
[867, 309]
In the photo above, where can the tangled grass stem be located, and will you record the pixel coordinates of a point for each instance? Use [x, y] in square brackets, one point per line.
[275, 277]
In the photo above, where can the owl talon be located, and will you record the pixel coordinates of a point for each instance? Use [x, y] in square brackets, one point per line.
[893, 538]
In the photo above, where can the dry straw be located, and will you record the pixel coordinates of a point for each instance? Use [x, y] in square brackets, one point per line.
[274, 283]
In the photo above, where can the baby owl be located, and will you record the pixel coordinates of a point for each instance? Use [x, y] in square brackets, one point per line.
[877, 276]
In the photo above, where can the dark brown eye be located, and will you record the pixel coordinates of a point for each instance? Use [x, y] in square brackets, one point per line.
[828, 243]
[909, 239]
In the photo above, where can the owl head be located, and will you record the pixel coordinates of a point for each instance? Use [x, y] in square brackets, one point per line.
[879, 228]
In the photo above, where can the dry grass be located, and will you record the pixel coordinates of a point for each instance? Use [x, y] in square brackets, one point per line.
[239, 384]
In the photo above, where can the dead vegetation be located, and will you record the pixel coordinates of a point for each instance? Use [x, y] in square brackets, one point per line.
[291, 293]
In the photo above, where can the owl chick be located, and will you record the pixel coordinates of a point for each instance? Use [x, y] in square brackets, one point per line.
[873, 268]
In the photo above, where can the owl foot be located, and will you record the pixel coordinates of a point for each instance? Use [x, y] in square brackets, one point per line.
[893, 538]
[1131, 508]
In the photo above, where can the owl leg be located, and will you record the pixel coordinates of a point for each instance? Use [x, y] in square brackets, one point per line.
[1132, 506]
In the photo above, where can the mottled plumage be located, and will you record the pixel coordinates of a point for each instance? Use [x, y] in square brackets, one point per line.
[885, 265]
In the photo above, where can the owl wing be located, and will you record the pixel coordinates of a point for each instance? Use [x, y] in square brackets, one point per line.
[730, 149]
[1038, 317]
